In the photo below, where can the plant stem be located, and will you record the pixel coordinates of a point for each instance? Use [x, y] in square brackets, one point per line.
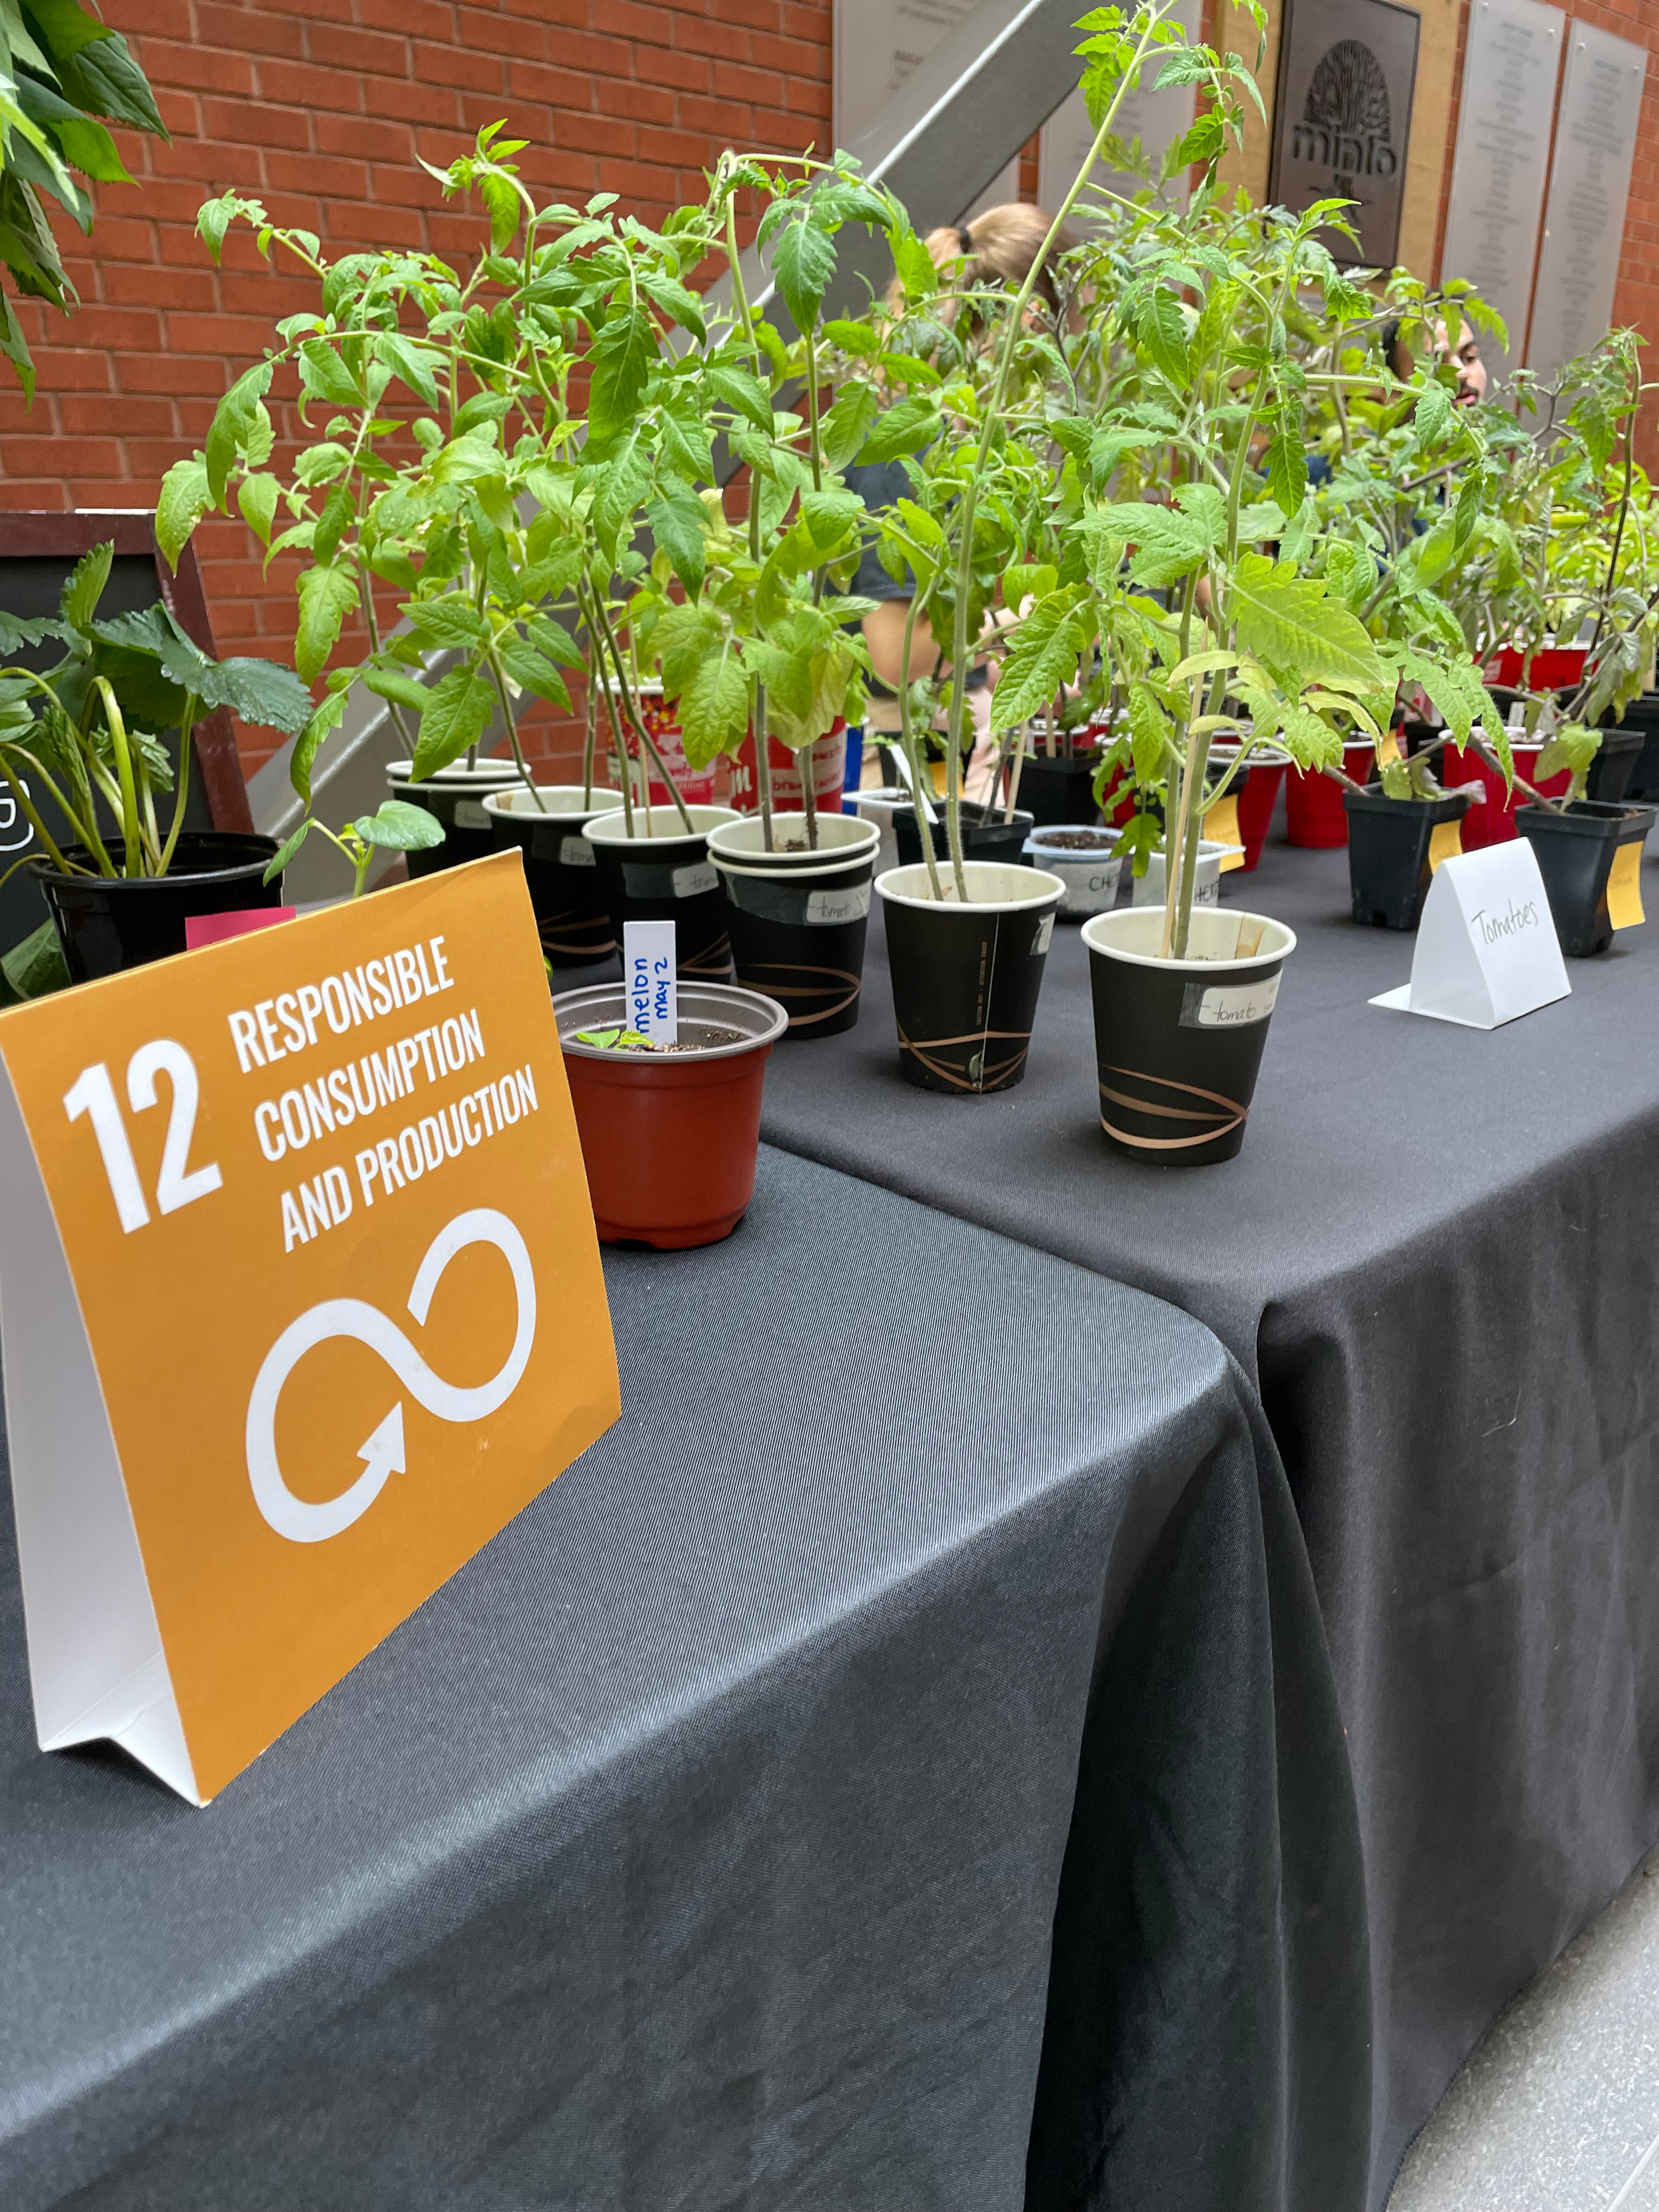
[647, 742]
[907, 738]
[117, 733]
[593, 707]
[763, 766]
[47, 846]
[499, 677]
[186, 722]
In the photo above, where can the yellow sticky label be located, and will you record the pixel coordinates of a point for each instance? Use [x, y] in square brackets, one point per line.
[1389, 751]
[1624, 888]
[1221, 828]
[1446, 842]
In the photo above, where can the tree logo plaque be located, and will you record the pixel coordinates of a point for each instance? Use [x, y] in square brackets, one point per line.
[1342, 116]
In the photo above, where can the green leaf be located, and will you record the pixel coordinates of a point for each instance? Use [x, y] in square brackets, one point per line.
[262, 692]
[84, 587]
[326, 718]
[326, 597]
[1286, 471]
[743, 393]
[1291, 623]
[457, 715]
[406, 359]
[324, 376]
[904, 428]
[452, 621]
[339, 512]
[399, 827]
[1160, 329]
[915, 265]
[1043, 658]
[392, 683]
[1151, 735]
[680, 306]
[803, 263]
[847, 425]
[1168, 543]
[234, 421]
[286, 851]
[1433, 415]
[483, 407]
[623, 353]
[256, 497]
[714, 708]
[679, 524]
[685, 446]
[531, 672]
[101, 76]
[35, 966]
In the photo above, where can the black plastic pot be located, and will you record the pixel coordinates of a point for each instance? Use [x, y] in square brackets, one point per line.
[966, 978]
[1390, 840]
[995, 840]
[106, 924]
[455, 797]
[1057, 792]
[667, 877]
[1642, 716]
[1178, 1044]
[1575, 852]
[1610, 772]
[798, 919]
[560, 867]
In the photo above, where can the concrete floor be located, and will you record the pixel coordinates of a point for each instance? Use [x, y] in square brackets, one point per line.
[1558, 2110]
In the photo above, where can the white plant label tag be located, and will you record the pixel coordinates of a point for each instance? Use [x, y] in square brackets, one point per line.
[469, 815]
[696, 876]
[828, 907]
[1487, 948]
[576, 853]
[649, 971]
[1044, 937]
[1229, 1005]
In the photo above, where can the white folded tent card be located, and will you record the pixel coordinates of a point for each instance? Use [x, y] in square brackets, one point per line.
[1487, 948]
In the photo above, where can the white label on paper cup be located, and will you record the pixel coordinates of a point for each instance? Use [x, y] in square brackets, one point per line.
[1228, 1006]
[851, 905]
[1208, 894]
[1044, 936]
[698, 875]
[576, 853]
[469, 815]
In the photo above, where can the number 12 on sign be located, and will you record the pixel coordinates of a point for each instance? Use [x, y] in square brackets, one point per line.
[93, 1093]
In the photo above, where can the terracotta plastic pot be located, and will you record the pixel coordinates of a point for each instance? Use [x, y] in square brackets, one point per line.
[1313, 814]
[1256, 793]
[829, 757]
[669, 1139]
[1178, 1044]
[106, 924]
[966, 978]
[797, 917]
[559, 867]
[1577, 854]
[666, 876]
[455, 797]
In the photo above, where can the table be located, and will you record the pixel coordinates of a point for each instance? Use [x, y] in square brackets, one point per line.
[705, 1839]
[1435, 1257]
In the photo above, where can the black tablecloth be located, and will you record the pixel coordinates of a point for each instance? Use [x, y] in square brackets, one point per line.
[1436, 1256]
[704, 1840]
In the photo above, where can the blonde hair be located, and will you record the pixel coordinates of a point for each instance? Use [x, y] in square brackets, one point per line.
[1002, 244]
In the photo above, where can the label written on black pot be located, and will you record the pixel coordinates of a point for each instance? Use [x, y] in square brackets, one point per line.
[1228, 1006]
[1487, 948]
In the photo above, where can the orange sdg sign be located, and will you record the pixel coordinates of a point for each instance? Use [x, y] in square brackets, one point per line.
[300, 1303]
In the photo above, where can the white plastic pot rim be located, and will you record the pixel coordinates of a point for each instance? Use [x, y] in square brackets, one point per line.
[849, 836]
[1097, 935]
[666, 828]
[909, 886]
[567, 798]
[487, 771]
[756, 865]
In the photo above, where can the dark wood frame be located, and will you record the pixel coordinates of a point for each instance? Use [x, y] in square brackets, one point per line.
[62, 536]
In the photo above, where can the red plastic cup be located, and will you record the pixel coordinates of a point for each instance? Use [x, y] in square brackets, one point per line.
[1553, 669]
[1494, 823]
[829, 774]
[1313, 803]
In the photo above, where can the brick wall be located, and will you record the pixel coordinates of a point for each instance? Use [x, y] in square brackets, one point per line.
[320, 107]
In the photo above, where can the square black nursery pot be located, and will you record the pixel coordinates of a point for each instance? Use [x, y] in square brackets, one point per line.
[982, 838]
[1613, 769]
[1642, 717]
[1576, 852]
[1389, 847]
[1059, 791]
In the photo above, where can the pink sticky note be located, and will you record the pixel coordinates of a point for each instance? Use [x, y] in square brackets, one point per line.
[202, 929]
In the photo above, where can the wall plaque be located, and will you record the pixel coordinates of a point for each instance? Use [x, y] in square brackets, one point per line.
[877, 44]
[1513, 59]
[1590, 183]
[1342, 115]
[1157, 119]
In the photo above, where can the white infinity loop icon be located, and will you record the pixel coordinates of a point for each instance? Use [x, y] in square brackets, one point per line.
[304, 1524]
